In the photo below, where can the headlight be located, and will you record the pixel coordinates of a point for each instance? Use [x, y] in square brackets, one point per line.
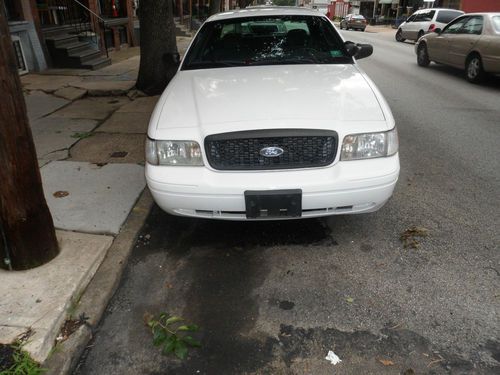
[370, 145]
[173, 152]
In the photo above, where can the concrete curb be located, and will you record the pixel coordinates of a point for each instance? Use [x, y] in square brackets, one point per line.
[101, 288]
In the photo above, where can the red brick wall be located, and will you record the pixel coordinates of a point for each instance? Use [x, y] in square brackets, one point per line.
[469, 6]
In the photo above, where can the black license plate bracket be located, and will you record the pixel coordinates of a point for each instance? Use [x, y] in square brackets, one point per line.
[273, 203]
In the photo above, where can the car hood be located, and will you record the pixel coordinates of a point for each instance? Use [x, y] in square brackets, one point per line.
[267, 95]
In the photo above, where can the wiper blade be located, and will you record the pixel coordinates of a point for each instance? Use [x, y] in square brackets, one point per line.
[285, 62]
[214, 64]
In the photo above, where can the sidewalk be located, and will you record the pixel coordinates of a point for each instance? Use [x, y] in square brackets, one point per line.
[89, 129]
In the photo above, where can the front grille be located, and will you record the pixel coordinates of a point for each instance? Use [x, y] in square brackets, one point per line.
[302, 148]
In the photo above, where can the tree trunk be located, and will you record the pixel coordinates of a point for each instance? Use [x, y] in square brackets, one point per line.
[158, 46]
[244, 3]
[214, 6]
[27, 234]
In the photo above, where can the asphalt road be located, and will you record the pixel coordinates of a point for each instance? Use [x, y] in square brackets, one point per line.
[274, 298]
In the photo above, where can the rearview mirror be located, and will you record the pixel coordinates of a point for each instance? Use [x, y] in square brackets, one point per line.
[358, 51]
[438, 30]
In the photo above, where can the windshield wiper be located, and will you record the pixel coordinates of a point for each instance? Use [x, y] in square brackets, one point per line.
[286, 61]
[213, 64]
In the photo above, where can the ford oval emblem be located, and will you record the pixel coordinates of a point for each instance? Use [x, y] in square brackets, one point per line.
[271, 152]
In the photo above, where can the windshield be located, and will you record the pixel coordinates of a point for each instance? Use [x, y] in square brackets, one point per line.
[276, 40]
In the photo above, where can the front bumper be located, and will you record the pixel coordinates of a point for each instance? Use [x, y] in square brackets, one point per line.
[347, 187]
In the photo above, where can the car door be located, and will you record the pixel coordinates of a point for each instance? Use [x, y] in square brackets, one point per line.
[421, 23]
[408, 26]
[461, 43]
[489, 45]
[438, 47]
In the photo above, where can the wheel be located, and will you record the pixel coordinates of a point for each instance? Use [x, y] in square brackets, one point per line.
[340, 26]
[363, 30]
[474, 69]
[399, 36]
[422, 55]
[420, 34]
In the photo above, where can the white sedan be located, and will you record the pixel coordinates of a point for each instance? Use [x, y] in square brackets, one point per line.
[270, 117]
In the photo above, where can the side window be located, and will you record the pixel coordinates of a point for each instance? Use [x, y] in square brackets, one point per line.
[424, 16]
[411, 19]
[496, 23]
[445, 16]
[456, 26]
[473, 26]
[228, 29]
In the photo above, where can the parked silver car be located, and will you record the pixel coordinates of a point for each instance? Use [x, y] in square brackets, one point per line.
[425, 21]
[470, 42]
[353, 21]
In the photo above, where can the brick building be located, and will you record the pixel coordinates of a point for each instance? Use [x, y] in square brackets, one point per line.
[68, 33]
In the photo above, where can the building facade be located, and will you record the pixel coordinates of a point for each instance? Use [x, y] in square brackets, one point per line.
[68, 33]
[28, 47]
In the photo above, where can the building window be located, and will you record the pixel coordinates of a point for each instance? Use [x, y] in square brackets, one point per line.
[20, 59]
[113, 8]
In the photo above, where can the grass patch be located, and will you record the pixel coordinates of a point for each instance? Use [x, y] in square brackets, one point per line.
[15, 361]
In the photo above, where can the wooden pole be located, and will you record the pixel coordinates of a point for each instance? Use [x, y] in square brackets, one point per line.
[28, 237]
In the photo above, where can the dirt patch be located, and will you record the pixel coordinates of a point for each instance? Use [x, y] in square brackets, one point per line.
[6, 357]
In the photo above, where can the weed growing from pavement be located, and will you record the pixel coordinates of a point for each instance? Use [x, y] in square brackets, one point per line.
[171, 334]
[15, 361]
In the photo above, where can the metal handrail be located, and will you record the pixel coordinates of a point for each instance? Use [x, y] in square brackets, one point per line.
[82, 19]
[89, 10]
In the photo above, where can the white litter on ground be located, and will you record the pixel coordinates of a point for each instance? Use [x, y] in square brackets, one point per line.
[333, 358]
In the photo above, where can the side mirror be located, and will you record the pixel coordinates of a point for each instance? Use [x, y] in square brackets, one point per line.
[438, 31]
[358, 51]
[172, 58]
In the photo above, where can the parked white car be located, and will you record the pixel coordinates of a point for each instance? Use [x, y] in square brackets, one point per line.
[425, 21]
[270, 117]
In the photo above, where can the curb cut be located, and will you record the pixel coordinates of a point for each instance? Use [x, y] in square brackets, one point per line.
[99, 291]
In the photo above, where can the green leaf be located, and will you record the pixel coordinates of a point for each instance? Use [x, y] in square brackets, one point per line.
[181, 349]
[174, 319]
[189, 327]
[159, 336]
[163, 315]
[170, 344]
[191, 341]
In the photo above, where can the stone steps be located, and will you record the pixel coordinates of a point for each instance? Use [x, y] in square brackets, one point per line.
[69, 51]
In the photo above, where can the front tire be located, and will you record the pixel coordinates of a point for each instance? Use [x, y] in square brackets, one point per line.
[399, 36]
[474, 71]
[420, 34]
[423, 55]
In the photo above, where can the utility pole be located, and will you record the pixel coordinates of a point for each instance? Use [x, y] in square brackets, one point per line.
[27, 235]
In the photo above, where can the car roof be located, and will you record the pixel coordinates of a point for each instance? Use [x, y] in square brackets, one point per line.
[266, 11]
[427, 9]
[490, 14]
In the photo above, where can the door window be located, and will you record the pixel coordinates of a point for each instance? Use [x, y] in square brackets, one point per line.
[473, 26]
[411, 19]
[456, 26]
[496, 23]
[425, 16]
[445, 16]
